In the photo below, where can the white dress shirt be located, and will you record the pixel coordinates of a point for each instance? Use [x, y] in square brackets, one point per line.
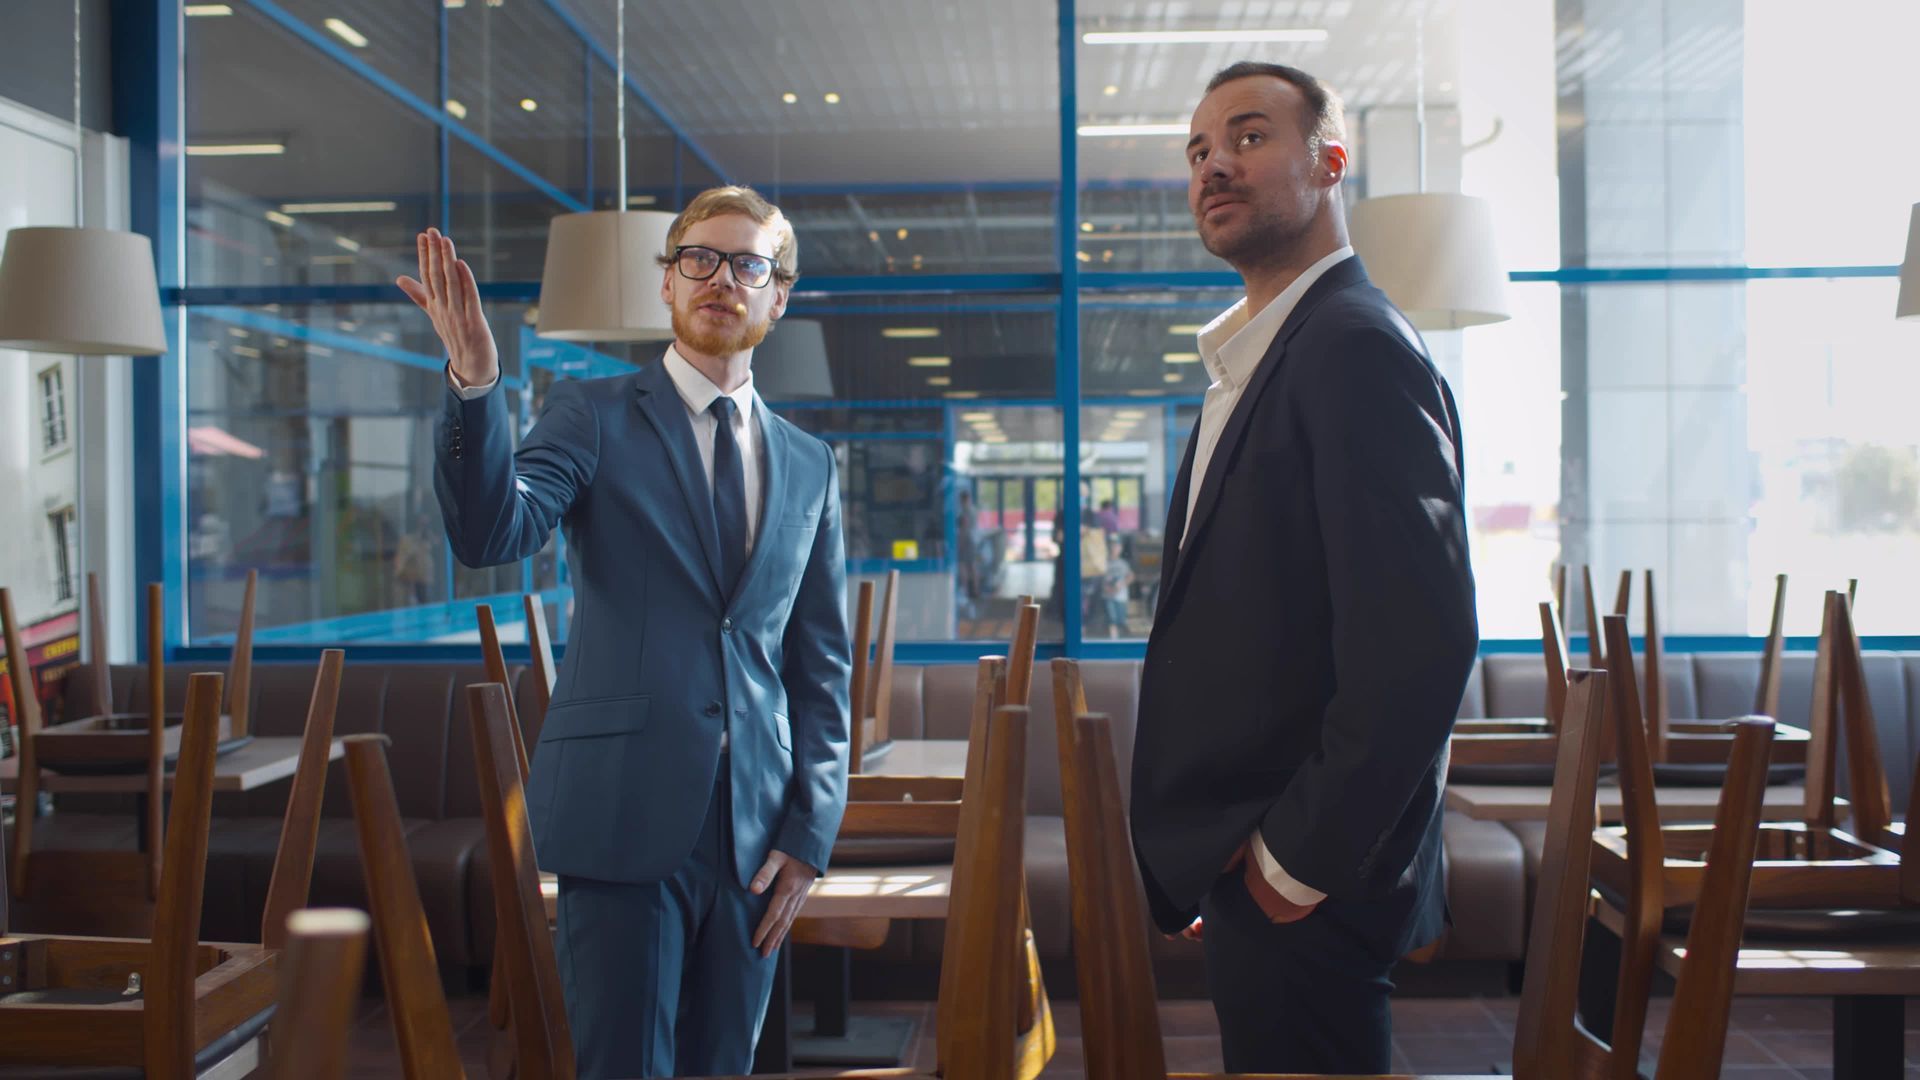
[1232, 347]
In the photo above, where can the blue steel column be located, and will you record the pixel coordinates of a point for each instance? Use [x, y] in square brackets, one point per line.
[147, 40]
[1067, 354]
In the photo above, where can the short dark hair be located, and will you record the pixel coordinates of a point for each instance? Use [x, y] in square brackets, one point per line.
[1323, 119]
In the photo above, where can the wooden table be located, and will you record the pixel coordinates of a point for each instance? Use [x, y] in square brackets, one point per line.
[1503, 802]
[1869, 984]
[261, 762]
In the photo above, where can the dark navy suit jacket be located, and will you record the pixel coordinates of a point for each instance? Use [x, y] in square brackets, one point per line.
[660, 659]
[1315, 634]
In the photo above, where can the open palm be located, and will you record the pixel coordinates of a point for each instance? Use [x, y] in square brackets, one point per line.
[446, 291]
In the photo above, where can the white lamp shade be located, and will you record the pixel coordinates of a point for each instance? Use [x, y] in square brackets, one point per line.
[1433, 255]
[601, 282]
[86, 291]
[1908, 306]
[791, 364]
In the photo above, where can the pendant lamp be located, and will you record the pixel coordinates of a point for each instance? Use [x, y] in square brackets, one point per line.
[600, 282]
[79, 290]
[1908, 306]
[791, 364]
[1432, 253]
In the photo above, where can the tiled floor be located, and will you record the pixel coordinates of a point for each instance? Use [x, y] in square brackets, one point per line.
[1773, 1038]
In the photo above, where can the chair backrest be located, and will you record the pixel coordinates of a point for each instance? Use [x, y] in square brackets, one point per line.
[1866, 780]
[1120, 1027]
[495, 661]
[1696, 1035]
[168, 1014]
[26, 708]
[1596, 652]
[1019, 680]
[1655, 708]
[99, 666]
[300, 827]
[1766, 695]
[1646, 845]
[879, 697]
[326, 951]
[418, 1005]
[543, 1041]
[1823, 725]
[1558, 574]
[1553, 652]
[1547, 1035]
[858, 682]
[240, 669]
[1623, 592]
[540, 651]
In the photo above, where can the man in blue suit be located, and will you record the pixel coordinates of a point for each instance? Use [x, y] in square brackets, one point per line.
[692, 770]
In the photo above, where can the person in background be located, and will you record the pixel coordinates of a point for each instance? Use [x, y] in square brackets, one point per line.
[1115, 586]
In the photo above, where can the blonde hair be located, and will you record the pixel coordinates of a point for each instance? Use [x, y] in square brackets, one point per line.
[739, 199]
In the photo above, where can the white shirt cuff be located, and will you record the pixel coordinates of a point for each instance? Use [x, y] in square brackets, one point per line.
[468, 393]
[1295, 891]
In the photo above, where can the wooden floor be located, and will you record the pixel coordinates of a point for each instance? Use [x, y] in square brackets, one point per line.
[1772, 1039]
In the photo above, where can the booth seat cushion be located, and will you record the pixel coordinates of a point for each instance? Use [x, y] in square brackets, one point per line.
[1486, 890]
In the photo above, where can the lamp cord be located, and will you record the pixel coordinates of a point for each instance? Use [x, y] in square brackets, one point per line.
[620, 93]
[1420, 90]
[79, 144]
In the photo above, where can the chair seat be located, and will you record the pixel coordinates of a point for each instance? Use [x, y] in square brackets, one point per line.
[210, 1055]
[1799, 925]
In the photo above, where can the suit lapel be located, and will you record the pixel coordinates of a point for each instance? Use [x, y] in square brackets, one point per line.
[1176, 523]
[1338, 276]
[773, 494]
[664, 409]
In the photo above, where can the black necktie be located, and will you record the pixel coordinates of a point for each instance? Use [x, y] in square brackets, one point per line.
[729, 493]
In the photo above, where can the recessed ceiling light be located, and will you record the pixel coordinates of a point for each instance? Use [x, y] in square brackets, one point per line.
[1116, 130]
[1083, 256]
[1086, 226]
[372, 207]
[267, 149]
[237, 331]
[1184, 329]
[977, 417]
[201, 11]
[346, 244]
[939, 380]
[642, 200]
[790, 97]
[1130, 414]
[992, 438]
[456, 110]
[929, 361]
[247, 351]
[1182, 358]
[1110, 90]
[529, 104]
[832, 98]
[279, 218]
[963, 393]
[900, 233]
[1204, 37]
[456, 3]
[346, 33]
[910, 332]
[1171, 376]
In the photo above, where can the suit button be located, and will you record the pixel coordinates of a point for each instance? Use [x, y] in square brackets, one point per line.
[726, 626]
[713, 708]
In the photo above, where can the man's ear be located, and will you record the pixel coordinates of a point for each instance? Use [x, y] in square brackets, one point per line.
[1333, 159]
[781, 289]
[666, 286]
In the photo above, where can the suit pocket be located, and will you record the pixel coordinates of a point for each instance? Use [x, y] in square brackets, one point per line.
[783, 731]
[596, 716]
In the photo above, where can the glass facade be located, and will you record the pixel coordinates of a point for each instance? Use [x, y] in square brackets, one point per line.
[1006, 364]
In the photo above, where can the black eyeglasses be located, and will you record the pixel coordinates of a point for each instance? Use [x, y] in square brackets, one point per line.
[750, 268]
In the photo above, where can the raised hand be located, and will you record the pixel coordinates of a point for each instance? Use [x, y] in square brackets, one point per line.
[446, 291]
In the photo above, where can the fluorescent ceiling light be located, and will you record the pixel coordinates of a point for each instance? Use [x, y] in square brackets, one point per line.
[1205, 37]
[201, 11]
[911, 332]
[1083, 256]
[346, 244]
[279, 218]
[1113, 130]
[346, 33]
[376, 207]
[1110, 90]
[977, 417]
[790, 97]
[1171, 376]
[247, 351]
[1182, 358]
[832, 98]
[963, 393]
[237, 331]
[642, 200]
[929, 361]
[266, 149]
[993, 438]
[1130, 414]
[456, 109]
[529, 104]
[939, 380]
[1185, 329]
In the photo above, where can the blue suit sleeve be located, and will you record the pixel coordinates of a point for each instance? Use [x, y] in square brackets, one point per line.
[817, 666]
[499, 506]
[1386, 463]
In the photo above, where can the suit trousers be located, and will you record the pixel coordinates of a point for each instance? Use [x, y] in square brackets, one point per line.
[1301, 997]
[660, 979]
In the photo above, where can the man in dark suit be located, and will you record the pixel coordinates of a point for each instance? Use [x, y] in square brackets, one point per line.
[1316, 623]
[692, 769]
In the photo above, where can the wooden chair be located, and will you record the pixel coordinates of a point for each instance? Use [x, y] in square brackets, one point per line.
[1699, 742]
[319, 989]
[162, 1006]
[872, 682]
[1807, 864]
[1119, 1020]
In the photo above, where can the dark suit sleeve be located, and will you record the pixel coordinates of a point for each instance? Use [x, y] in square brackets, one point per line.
[1382, 432]
[500, 506]
[816, 670]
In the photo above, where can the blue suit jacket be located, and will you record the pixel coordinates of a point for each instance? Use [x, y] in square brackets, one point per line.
[659, 659]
